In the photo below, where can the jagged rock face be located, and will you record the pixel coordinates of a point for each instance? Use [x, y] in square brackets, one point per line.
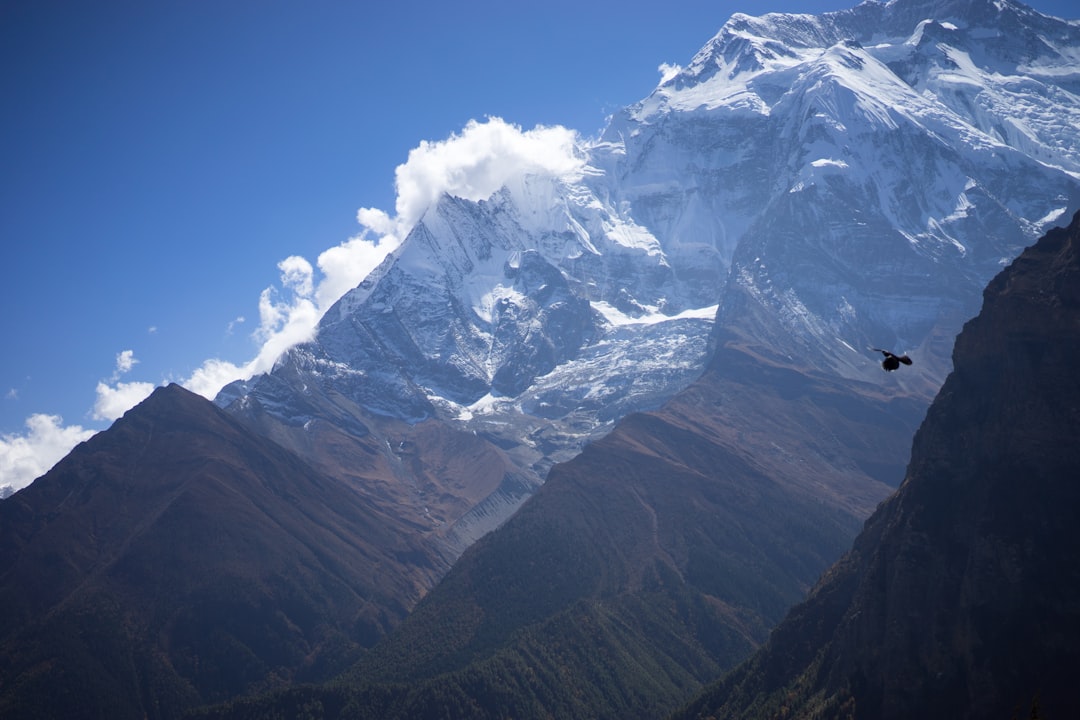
[979, 543]
[959, 599]
[481, 299]
[468, 307]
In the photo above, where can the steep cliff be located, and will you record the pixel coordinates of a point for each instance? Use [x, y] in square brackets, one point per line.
[959, 598]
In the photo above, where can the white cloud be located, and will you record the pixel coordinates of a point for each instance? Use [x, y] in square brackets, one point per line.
[296, 275]
[376, 220]
[213, 375]
[668, 71]
[473, 165]
[286, 317]
[479, 161]
[125, 361]
[114, 401]
[240, 320]
[345, 266]
[283, 324]
[26, 457]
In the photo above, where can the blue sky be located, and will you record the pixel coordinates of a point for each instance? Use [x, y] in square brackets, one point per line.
[160, 159]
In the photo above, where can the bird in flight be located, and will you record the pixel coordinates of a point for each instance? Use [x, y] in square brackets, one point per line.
[892, 361]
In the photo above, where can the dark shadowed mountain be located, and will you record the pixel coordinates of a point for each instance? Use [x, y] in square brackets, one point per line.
[178, 558]
[961, 597]
[649, 564]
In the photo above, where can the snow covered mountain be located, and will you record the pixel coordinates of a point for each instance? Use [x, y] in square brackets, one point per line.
[866, 171]
[535, 319]
[808, 186]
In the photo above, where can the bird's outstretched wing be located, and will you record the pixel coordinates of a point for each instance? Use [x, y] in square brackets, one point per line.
[892, 360]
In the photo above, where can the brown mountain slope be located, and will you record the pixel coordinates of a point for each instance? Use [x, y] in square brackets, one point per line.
[449, 485]
[177, 558]
[648, 564]
[960, 598]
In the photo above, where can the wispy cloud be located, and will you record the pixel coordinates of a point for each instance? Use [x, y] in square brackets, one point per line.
[286, 317]
[240, 320]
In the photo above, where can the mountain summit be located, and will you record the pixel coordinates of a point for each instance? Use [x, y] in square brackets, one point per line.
[806, 188]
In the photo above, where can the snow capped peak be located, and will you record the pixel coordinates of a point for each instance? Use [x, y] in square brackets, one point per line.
[915, 115]
[947, 53]
[748, 45]
[812, 184]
